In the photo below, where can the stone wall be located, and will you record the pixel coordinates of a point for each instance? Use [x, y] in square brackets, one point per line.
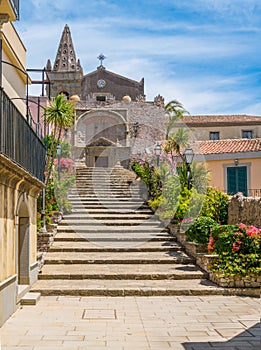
[244, 209]
[18, 255]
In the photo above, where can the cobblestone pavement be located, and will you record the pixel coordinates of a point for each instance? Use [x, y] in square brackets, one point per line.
[180, 323]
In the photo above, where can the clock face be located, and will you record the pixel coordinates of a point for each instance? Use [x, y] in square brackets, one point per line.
[101, 83]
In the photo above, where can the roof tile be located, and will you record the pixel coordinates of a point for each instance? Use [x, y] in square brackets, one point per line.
[229, 146]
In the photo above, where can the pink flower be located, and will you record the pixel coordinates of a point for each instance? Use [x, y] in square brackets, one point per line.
[235, 247]
[252, 231]
[242, 226]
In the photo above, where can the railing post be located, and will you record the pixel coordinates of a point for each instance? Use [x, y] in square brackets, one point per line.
[1, 62]
[1, 98]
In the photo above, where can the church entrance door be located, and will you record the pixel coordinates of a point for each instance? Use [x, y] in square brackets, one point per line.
[101, 162]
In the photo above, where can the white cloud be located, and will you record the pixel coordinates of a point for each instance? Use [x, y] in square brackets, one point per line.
[176, 55]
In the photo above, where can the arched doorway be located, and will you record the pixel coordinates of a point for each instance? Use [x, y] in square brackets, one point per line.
[23, 242]
[102, 137]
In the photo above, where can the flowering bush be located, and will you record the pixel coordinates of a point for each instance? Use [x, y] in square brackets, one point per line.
[239, 250]
[66, 164]
[64, 183]
[201, 229]
[150, 174]
[237, 238]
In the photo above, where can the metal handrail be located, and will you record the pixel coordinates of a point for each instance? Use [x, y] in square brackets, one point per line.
[18, 141]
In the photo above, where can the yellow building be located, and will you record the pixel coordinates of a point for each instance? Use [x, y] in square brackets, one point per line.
[220, 127]
[22, 157]
[230, 145]
[234, 165]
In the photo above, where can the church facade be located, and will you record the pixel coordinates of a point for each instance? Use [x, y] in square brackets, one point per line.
[114, 120]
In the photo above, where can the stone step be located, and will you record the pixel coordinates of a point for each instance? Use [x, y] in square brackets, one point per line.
[99, 221]
[82, 211]
[87, 216]
[124, 271]
[103, 287]
[118, 258]
[89, 220]
[113, 231]
[107, 237]
[30, 298]
[117, 208]
[107, 199]
[112, 246]
[100, 204]
[92, 183]
[112, 189]
[101, 197]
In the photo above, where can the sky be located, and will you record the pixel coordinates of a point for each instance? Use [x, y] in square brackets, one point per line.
[204, 53]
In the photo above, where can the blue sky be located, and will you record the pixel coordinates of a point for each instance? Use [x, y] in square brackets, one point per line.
[205, 53]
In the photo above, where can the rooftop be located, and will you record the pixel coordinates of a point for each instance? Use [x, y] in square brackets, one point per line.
[229, 146]
[221, 119]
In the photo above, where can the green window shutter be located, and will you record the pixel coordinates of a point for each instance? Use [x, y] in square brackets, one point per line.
[242, 179]
[231, 180]
[237, 180]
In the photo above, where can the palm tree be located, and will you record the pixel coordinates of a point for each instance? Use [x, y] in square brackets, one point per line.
[199, 176]
[176, 145]
[59, 114]
[177, 142]
[175, 111]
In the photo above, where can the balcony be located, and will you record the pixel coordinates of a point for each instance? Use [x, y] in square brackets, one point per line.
[9, 9]
[18, 141]
[15, 6]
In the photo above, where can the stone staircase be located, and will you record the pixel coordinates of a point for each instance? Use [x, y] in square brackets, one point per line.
[113, 245]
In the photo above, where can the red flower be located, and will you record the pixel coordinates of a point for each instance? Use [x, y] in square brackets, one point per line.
[252, 231]
[235, 247]
[211, 245]
[242, 226]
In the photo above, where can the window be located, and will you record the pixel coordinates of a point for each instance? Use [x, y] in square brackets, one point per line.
[101, 98]
[214, 135]
[237, 180]
[247, 134]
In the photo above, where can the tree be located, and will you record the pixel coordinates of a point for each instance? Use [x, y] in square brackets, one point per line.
[175, 111]
[177, 143]
[59, 114]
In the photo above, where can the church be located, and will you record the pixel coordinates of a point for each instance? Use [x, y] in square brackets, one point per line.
[115, 124]
[114, 120]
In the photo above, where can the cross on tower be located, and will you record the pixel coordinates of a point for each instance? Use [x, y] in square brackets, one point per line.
[101, 58]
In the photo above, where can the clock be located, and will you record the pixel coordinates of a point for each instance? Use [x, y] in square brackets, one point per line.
[101, 83]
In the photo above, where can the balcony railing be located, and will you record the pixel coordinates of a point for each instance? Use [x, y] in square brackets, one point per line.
[250, 193]
[18, 141]
[15, 6]
[254, 192]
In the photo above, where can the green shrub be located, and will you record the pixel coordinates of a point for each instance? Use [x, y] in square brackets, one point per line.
[155, 203]
[200, 230]
[215, 205]
[150, 175]
[175, 200]
[229, 265]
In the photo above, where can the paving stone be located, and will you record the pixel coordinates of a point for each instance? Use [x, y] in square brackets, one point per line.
[148, 325]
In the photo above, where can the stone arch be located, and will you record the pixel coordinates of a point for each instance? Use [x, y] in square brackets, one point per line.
[95, 124]
[23, 240]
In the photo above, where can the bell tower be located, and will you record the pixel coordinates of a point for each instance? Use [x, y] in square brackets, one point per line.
[66, 74]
